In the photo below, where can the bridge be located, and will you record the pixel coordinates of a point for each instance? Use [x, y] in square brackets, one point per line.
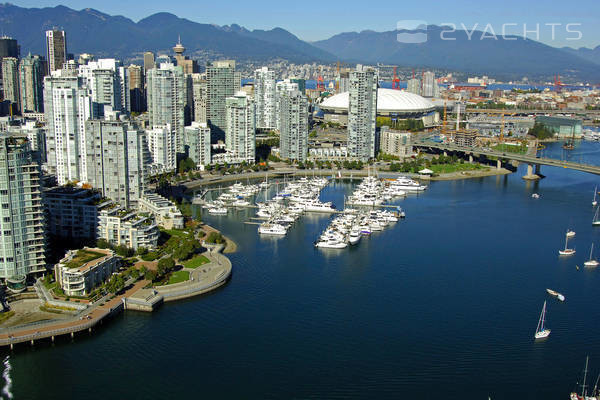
[517, 111]
[530, 159]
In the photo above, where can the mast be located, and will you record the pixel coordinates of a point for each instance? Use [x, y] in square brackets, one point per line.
[591, 250]
[584, 377]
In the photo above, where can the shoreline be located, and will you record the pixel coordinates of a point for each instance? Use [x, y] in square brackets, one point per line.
[345, 174]
[204, 279]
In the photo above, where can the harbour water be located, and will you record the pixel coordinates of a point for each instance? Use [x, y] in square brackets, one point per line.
[441, 305]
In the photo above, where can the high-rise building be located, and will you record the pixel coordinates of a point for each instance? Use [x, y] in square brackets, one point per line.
[67, 106]
[413, 86]
[301, 84]
[22, 226]
[240, 135]
[8, 48]
[137, 92]
[118, 159]
[199, 95]
[31, 83]
[265, 98]
[197, 143]
[187, 65]
[36, 136]
[430, 86]
[148, 61]
[161, 142]
[282, 87]
[56, 49]
[166, 100]
[10, 79]
[362, 113]
[108, 81]
[293, 109]
[222, 83]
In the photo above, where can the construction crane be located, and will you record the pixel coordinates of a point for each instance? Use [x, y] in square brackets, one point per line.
[320, 83]
[396, 80]
[444, 124]
[557, 83]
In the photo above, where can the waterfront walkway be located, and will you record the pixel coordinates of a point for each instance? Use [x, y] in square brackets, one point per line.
[204, 278]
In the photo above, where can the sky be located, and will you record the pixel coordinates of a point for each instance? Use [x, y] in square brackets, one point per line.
[574, 23]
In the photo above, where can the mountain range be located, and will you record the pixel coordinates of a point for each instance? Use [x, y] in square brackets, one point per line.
[103, 35]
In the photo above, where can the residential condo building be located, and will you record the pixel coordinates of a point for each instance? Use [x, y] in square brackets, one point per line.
[22, 223]
[362, 113]
[56, 49]
[265, 98]
[240, 135]
[293, 109]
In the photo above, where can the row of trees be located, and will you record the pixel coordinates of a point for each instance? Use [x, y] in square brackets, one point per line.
[414, 166]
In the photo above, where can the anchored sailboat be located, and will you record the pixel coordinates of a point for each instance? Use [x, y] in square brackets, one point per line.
[591, 262]
[596, 221]
[541, 331]
[566, 251]
[594, 202]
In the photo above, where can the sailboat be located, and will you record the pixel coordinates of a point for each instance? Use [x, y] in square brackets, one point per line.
[594, 202]
[596, 221]
[591, 262]
[583, 396]
[541, 332]
[566, 251]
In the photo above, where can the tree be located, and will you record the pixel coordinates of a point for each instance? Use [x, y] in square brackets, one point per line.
[124, 251]
[165, 265]
[141, 251]
[150, 275]
[102, 244]
[115, 284]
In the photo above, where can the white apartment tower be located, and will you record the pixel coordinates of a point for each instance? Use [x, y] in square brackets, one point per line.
[240, 136]
[265, 98]
[67, 107]
[166, 99]
[362, 113]
[293, 109]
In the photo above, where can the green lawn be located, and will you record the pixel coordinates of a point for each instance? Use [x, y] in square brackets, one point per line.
[448, 168]
[196, 262]
[179, 276]
[508, 148]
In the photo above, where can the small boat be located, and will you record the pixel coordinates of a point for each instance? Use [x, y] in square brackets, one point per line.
[535, 196]
[566, 251]
[596, 221]
[570, 233]
[556, 294]
[591, 262]
[541, 331]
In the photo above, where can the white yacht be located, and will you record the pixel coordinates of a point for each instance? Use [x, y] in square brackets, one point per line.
[354, 236]
[272, 229]
[566, 251]
[331, 244]
[217, 211]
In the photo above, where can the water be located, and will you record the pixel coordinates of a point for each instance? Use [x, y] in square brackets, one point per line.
[441, 305]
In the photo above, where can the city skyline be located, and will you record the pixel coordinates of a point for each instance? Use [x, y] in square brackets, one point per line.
[324, 20]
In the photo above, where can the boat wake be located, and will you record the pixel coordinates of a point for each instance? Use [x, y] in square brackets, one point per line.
[7, 390]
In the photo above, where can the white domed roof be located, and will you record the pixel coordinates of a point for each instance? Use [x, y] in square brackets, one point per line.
[388, 101]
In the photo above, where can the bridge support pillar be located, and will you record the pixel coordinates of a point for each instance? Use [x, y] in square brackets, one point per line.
[52, 337]
[72, 335]
[498, 164]
[445, 153]
[470, 158]
[537, 169]
[12, 346]
[32, 342]
[90, 330]
[530, 175]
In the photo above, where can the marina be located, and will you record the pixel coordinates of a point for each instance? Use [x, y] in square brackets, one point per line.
[455, 301]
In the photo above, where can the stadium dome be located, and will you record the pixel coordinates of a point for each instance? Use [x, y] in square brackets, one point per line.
[389, 101]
